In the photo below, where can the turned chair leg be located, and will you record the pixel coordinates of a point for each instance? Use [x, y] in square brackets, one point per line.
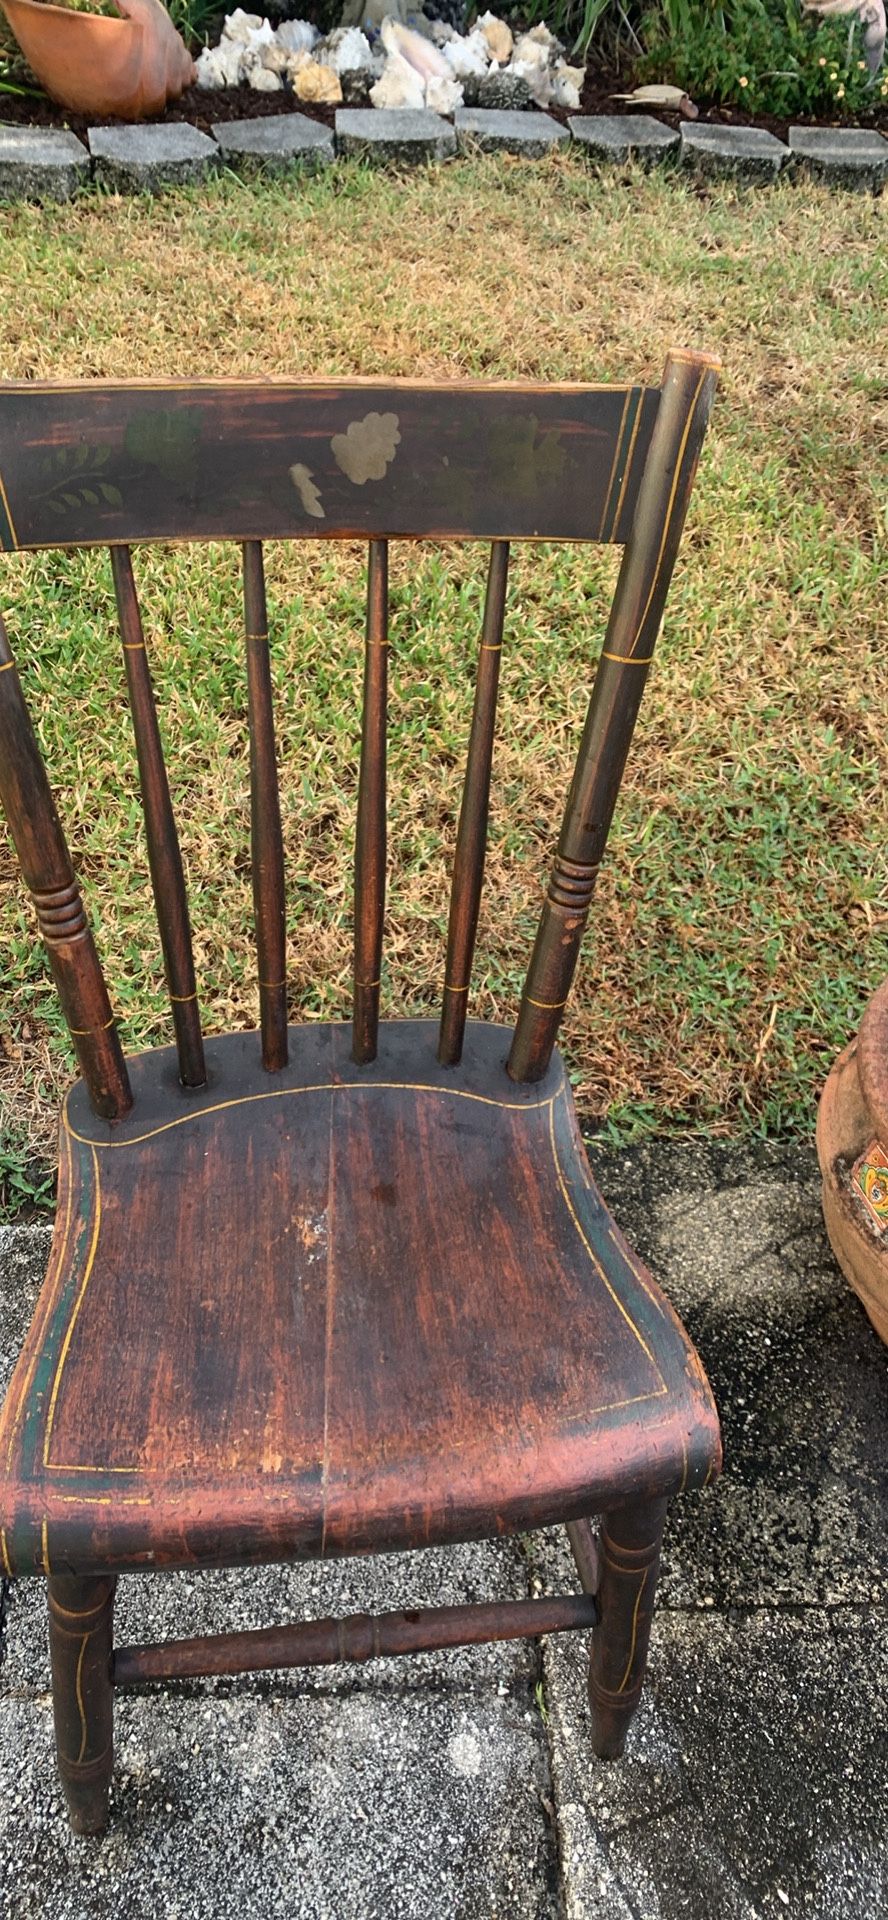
[629, 1564]
[80, 1646]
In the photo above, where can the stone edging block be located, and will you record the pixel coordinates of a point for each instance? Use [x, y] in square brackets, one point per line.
[400, 134]
[841, 156]
[273, 145]
[739, 153]
[144, 159]
[619, 137]
[496, 130]
[38, 163]
[41, 163]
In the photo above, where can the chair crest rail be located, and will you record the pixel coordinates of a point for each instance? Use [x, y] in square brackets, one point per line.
[106, 463]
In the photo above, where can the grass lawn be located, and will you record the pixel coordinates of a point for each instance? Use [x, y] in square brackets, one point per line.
[742, 912]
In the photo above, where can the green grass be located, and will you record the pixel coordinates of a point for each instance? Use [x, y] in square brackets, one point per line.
[742, 912]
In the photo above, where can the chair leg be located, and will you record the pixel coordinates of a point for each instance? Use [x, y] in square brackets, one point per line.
[630, 1561]
[80, 1646]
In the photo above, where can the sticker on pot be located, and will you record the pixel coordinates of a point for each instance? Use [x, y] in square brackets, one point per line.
[869, 1180]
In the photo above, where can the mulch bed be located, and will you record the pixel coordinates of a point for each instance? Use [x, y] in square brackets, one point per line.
[203, 110]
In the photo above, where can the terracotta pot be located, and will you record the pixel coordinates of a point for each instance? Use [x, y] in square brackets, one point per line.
[125, 69]
[852, 1148]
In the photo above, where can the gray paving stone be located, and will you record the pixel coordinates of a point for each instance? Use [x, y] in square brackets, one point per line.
[623, 136]
[400, 135]
[740, 153]
[39, 163]
[755, 1774]
[407, 1805]
[146, 159]
[754, 1778]
[532, 134]
[274, 145]
[842, 156]
[799, 1515]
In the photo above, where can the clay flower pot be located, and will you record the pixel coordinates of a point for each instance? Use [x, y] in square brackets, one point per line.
[125, 69]
[852, 1148]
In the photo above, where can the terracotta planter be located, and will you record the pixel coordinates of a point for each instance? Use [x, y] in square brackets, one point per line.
[852, 1147]
[125, 69]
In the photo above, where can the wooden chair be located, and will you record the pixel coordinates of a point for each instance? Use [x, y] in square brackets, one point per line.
[324, 1291]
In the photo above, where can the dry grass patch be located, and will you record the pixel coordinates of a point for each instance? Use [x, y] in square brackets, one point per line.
[742, 913]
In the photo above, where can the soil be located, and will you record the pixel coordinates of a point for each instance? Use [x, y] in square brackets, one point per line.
[203, 110]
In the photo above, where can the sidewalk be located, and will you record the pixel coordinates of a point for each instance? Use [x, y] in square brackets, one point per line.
[462, 1786]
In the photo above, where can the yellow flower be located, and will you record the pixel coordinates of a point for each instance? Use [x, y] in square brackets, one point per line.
[862, 65]
[840, 93]
[743, 82]
[822, 61]
[834, 75]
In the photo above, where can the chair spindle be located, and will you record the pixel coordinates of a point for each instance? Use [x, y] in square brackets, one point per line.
[686, 398]
[164, 857]
[46, 864]
[370, 843]
[471, 838]
[265, 808]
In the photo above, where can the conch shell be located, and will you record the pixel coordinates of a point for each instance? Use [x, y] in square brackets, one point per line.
[90, 63]
[414, 48]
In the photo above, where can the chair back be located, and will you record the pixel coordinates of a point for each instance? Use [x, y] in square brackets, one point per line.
[117, 464]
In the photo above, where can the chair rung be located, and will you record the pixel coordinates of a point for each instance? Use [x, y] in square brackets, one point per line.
[361, 1636]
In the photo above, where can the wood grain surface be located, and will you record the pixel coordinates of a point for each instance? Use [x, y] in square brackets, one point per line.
[312, 1345]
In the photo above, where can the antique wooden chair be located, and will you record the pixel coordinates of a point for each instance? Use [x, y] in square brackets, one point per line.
[327, 1291]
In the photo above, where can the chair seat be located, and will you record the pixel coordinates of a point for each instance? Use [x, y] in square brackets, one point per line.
[336, 1309]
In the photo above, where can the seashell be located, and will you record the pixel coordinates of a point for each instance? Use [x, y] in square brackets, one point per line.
[529, 52]
[297, 36]
[443, 96]
[242, 26]
[210, 72]
[672, 99]
[498, 36]
[263, 80]
[423, 57]
[348, 51]
[90, 63]
[273, 58]
[467, 55]
[319, 84]
[545, 39]
[567, 85]
[537, 78]
[399, 85]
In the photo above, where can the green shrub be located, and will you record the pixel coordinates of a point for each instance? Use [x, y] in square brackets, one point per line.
[763, 55]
